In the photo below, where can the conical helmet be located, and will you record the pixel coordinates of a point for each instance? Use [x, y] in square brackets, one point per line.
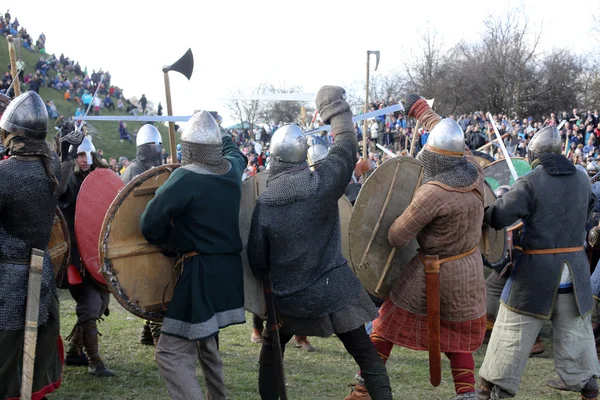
[289, 144]
[26, 116]
[148, 134]
[316, 154]
[86, 147]
[546, 140]
[202, 129]
[447, 138]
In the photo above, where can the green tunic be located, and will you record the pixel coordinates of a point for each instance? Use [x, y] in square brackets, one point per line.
[198, 211]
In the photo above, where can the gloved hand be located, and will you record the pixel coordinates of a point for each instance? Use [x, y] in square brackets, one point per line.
[64, 152]
[414, 105]
[331, 101]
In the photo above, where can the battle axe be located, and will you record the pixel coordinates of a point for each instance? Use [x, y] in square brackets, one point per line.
[185, 66]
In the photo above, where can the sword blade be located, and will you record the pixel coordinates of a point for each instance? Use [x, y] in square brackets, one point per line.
[362, 117]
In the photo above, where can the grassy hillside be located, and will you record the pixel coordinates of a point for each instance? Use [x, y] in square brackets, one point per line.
[107, 136]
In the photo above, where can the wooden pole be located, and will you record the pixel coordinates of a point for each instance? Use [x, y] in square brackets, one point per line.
[366, 108]
[485, 146]
[13, 66]
[415, 138]
[31, 322]
[172, 144]
[273, 328]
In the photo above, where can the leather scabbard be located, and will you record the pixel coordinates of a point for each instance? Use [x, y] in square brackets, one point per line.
[432, 287]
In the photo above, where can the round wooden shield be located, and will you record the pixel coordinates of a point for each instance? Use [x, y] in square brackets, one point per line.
[345, 208]
[498, 174]
[97, 192]
[254, 299]
[492, 243]
[483, 159]
[136, 272]
[383, 197]
[59, 247]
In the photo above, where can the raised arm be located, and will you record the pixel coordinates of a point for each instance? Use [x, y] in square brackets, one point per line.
[336, 171]
[232, 153]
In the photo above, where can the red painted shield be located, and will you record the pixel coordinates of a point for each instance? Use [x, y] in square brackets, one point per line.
[97, 192]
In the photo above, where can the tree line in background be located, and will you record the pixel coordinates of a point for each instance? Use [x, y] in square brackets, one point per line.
[503, 72]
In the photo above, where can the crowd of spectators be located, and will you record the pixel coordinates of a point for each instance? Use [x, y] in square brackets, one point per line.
[580, 130]
[68, 77]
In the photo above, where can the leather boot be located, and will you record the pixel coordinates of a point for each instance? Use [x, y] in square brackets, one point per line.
[146, 335]
[256, 336]
[303, 343]
[538, 347]
[487, 391]
[75, 355]
[359, 392]
[155, 328]
[377, 382]
[590, 390]
[90, 343]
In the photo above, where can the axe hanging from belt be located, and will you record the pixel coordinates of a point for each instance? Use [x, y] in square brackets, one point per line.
[185, 66]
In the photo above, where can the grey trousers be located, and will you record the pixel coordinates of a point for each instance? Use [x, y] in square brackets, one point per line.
[91, 301]
[494, 285]
[575, 358]
[176, 359]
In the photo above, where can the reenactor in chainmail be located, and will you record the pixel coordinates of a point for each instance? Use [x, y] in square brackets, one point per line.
[295, 236]
[92, 299]
[195, 214]
[148, 154]
[550, 279]
[445, 217]
[28, 200]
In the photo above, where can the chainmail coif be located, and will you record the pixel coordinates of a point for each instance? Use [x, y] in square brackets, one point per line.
[207, 156]
[289, 182]
[146, 158]
[455, 172]
[147, 155]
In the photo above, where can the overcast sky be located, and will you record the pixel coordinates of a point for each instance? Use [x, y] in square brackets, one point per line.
[243, 43]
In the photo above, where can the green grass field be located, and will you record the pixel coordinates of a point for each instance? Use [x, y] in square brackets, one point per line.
[321, 375]
[107, 137]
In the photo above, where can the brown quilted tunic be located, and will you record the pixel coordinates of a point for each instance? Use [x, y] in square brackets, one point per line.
[446, 222]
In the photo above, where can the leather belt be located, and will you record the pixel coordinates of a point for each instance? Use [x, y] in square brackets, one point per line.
[448, 259]
[179, 262]
[554, 251]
